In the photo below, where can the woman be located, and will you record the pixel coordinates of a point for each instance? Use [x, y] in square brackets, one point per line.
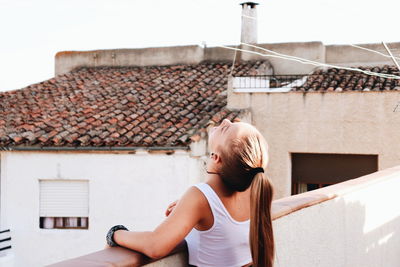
[218, 217]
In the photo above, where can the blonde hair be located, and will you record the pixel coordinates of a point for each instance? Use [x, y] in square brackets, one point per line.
[237, 172]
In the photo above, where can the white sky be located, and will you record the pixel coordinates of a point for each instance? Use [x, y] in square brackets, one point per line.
[33, 31]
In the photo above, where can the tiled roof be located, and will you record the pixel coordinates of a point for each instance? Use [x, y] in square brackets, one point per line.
[345, 80]
[126, 106]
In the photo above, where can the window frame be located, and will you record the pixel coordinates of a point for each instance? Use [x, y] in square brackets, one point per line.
[64, 219]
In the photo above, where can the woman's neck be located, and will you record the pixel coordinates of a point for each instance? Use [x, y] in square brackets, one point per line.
[215, 181]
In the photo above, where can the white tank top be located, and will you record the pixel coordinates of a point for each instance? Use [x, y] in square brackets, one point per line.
[225, 244]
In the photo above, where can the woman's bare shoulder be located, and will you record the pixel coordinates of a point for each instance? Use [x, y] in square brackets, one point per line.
[195, 194]
[189, 209]
[194, 198]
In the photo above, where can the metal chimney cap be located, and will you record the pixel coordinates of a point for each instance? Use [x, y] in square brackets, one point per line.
[251, 4]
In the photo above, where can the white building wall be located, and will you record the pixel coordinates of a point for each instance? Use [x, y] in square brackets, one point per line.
[360, 227]
[129, 189]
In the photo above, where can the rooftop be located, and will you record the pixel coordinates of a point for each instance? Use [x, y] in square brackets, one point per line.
[161, 106]
[345, 80]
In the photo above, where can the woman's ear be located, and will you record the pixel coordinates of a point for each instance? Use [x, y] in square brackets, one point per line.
[215, 158]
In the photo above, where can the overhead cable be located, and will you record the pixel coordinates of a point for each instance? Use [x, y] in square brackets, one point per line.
[373, 51]
[274, 54]
[384, 75]
[391, 55]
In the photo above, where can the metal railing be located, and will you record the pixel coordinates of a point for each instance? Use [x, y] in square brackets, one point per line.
[315, 81]
[5, 239]
[267, 81]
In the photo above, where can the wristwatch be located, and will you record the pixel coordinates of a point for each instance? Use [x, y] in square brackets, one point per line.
[110, 235]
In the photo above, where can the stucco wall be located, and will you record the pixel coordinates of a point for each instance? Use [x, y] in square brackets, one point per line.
[130, 189]
[314, 51]
[357, 228]
[334, 122]
[345, 55]
[68, 60]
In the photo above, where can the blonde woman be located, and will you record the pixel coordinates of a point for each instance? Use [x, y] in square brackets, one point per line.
[225, 221]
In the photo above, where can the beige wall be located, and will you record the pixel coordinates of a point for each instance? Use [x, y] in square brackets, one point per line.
[345, 55]
[66, 61]
[334, 122]
[69, 60]
[316, 51]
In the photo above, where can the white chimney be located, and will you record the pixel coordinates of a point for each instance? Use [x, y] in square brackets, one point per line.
[249, 23]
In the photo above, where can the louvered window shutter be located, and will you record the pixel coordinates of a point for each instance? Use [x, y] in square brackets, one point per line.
[64, 198]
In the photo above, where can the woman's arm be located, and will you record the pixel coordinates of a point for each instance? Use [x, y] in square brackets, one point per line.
[158, 243]
[171, 208]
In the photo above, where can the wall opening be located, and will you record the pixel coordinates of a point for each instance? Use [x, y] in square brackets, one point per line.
[312, 171]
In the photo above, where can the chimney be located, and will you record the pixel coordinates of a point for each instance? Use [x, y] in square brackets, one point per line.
[249, 23]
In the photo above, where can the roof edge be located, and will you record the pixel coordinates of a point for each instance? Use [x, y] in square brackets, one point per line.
[33, 148]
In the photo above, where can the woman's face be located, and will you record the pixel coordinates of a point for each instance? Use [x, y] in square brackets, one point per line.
[221, 135]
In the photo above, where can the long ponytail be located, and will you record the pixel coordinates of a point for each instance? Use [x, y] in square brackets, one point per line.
[261, 233]
[240, 158]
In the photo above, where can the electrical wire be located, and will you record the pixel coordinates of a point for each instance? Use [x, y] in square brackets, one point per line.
[391, 55]
[373, 51]
[326, 65]
[274, 54]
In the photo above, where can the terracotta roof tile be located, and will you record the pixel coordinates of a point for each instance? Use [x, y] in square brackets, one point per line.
[119, 106]
[345, 80]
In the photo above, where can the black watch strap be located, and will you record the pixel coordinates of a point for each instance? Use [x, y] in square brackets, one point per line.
[110, 234]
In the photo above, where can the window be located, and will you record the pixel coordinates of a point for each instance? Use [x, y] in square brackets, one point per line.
[313, 171]
[64, 204]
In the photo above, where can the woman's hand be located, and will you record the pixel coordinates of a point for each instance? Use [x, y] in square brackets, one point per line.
[171, 207]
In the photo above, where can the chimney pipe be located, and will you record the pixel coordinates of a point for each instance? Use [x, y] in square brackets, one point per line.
[249, 23]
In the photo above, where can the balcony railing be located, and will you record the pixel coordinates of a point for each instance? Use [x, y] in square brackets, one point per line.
[122, 257]
[267, 83]
[318, 81]
[354, 223]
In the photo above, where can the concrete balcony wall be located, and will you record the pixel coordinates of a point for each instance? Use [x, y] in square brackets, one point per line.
[355, 223]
